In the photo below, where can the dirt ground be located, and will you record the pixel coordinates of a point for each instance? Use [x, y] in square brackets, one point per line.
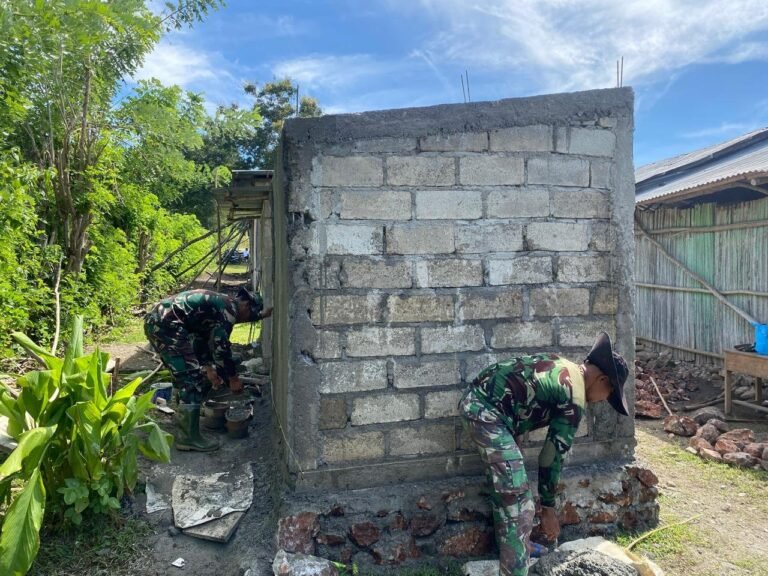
[729, 537]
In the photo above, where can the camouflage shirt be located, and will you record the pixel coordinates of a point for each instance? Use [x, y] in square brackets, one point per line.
[205, 315]
[535, 391]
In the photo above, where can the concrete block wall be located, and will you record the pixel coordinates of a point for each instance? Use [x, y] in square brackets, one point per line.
[419, 246]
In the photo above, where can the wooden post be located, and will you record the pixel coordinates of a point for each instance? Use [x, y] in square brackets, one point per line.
[728, 391]
[759, 390]
[218, 225]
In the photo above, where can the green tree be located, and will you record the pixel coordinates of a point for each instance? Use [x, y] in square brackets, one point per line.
[275, 102]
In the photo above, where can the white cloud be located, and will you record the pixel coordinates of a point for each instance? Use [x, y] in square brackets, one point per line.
[209, 73]
[574, 44]
[331, 72]
[177, 64]
[723, 130]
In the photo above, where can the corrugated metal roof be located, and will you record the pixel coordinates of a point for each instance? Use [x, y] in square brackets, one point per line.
[741, 157]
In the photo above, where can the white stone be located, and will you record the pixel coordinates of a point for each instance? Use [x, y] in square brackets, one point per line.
[420, 308]
[485, 303]
[347, 171]
[491, 170]
[448, 339]
[460, 142]
[449, 273]
[442, 404]
[558, 236]
[583, 269]
[420, 171]
[369, 273]
[537, 138]
[384, 408]
[518, 203]
[381, 342]
[353, 446]
[351, 376]
[435, 439]
[375, 205]
[357, 239]
[449, 204]
[427, 373]
[485, 237]
[580, 203]
[420, 239]
[522, 270]
[558, 171]
[521, 335]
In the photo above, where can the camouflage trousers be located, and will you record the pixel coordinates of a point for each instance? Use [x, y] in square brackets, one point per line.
[511, 499]
[183, 354]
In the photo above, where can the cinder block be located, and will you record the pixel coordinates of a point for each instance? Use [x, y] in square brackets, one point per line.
[420, 171]
[518, 203]
[381, 342]
[537, 138]
[461, 142]
[600, 174]
[434, 439]
[583, 333]
[522, 335]
[522, 270]
[484, 303]
[333, 413]
[360, 239]
[485, 237]
[420, 308]
[551, 301]
[374, 146]
[304, 242]
[375, 205]
[592, 142]
[353, 446]
[602, 237]
[449, 273]
[583, 269]
[606, 300]
[385, 408]
[316, 272]
[427, 373]
[346, 309]
[369, 273]
[558, 236]
[607, 122]
[351, 376]
[328, 345]
[442, 404]
[347, 171]
[580, 203]
[558, 171]
[477, 363]
[447, 339]
[491, 171]
[449, 204]
[420, 239]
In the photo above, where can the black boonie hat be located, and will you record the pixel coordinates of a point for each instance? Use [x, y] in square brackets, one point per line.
[612, 365]
[257, 305]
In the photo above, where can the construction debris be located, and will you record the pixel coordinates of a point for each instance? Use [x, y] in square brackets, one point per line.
[737, 447]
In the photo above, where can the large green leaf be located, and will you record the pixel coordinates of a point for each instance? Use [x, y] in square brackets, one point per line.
[35, 391]
[125, 392]
[28, 452]
[9, 408]
[157, 445]
[75, 345]
[26, 342]
[87, 419]
[20, 539]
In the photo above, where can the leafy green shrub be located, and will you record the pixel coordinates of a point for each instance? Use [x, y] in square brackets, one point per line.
[77, 445]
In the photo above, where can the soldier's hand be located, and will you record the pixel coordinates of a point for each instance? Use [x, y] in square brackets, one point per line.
[236, 385]
[550, 524]
[213, 377]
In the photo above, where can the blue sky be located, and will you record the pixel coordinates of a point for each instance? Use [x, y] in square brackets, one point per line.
[699, 68]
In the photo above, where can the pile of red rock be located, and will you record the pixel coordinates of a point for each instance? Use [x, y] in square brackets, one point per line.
[711, 439]
[676, 379]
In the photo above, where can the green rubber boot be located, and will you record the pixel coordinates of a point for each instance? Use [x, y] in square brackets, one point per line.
[188, 435]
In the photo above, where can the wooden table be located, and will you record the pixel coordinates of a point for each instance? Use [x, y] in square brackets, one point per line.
[745, 363]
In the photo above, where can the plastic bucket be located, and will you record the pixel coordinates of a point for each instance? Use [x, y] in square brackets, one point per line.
[162, 390]
[761, 339]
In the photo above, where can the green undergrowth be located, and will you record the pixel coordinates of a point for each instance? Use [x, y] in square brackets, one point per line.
[111, 546]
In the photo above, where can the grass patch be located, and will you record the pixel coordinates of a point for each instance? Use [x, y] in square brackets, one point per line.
[236, 269]
[131, 332]
[444, 568]
[241, 331]
[101, 546]
[747, 480]
[665, 543]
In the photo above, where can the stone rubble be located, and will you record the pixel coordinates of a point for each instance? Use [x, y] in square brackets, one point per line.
[710, 436]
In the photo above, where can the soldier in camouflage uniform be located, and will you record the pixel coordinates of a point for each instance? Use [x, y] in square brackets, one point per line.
[190, 330]
[510, 398]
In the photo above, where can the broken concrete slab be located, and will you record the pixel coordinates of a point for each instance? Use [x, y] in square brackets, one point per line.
[581, 563]
[481, 568]
[220, 530]
[200, 499]
[156, 500]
